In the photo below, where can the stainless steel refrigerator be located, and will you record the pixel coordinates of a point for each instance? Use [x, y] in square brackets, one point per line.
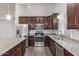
[24, 32]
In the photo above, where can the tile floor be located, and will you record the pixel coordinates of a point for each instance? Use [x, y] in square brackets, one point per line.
[38, 51]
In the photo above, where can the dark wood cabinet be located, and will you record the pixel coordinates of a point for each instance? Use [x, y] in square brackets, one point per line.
[24, 47]
[55, 20]
[51, 45]
[50, 22]
[73, 16]
[16, 51]
[46, 41]
[32, 20]
[23, 20]
[67, 53]
[53, 48]
[46, 23]
[31, 41]
[39, 19]
[77, 15]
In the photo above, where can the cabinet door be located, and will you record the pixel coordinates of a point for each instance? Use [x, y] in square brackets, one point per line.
[42, 20]
[51, 22]
[71, 15]
[23, 20]
[67, 53]
[77, 15]
[55, 24]
[55, 21]
[46, 41]
[24, 47]
[46, 23]
[53, 48]
[48, 20]
[51, 45]
[31, 41]
[18, 52]
[37, 20]
[31, 22]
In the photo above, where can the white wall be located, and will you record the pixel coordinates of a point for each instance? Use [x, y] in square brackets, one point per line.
[7, 28]
[33, 9]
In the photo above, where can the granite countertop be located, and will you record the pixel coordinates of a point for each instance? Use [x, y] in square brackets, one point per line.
[69, 44]
[7, 44]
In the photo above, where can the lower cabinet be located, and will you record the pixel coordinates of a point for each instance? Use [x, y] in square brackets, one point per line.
[16, 51]
[51, 45]
[56, 49]
[31, 41]
[53, 48]
[24, 47]
[67, 53]
[45, 41]
[59, 50]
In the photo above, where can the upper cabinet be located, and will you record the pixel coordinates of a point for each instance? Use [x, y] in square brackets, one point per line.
[39, 20]
[46, 23]
[50, 22]
[23, 20]
[55, 21]
[73, 16]
[31, 22]
[50, 18]
[77, 14]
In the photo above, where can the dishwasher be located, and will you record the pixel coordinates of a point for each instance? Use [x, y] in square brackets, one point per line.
[59, 50]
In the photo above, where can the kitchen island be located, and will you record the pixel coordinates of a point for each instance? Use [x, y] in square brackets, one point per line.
[12, 47]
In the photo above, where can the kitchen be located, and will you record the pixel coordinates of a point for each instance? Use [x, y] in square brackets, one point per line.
[39, 29]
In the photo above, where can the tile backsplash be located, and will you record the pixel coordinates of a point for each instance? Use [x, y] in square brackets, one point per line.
[73, 34]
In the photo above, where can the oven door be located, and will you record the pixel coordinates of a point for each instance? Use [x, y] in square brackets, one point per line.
[39, 41]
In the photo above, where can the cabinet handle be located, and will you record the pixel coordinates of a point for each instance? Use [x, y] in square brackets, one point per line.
[75, 20]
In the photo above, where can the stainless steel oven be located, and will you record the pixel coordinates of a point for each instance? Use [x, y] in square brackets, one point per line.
[39, 36]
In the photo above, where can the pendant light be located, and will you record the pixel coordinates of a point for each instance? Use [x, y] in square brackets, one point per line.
[8, 16]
